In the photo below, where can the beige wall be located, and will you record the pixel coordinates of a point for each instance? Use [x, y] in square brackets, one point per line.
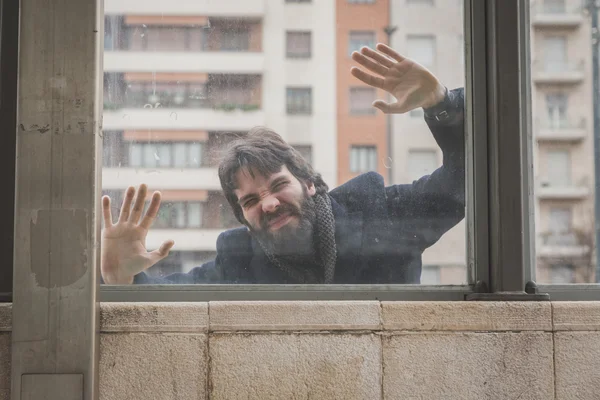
[343, 350]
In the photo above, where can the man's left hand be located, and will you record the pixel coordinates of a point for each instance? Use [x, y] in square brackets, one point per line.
[410, 83]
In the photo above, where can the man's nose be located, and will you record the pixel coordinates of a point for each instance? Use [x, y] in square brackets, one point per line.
[270, 204]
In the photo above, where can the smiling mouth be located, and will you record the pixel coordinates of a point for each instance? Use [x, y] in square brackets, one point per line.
[279, 222]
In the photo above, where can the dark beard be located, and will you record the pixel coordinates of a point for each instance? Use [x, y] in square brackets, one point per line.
[290, 241]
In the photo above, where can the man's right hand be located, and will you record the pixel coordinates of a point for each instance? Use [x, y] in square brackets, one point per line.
[124, 251]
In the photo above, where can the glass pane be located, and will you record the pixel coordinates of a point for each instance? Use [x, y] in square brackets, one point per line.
[180, 155]
[205, 103]
[194, 215]
[563, 139]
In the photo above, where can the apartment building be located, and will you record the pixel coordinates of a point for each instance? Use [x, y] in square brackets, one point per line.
[361, 139]
[563, 134]
[181, 78]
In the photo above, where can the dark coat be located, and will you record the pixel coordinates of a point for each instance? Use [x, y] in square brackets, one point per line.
[381, 232]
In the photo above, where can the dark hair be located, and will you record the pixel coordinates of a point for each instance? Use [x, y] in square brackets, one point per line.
[264, 152]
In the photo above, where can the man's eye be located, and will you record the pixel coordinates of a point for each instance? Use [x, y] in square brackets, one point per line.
[249, 203]
[279, 185]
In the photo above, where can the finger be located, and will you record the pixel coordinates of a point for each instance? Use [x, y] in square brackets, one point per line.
[369, 79]
[138, 206]
[380, 58]
[370, 64]
[106, 211]
[152, 211]
[162, 251]
[388, 108]
[390, 52]
[126, 207]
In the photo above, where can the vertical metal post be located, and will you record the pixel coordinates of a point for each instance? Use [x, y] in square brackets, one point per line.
[9, 51]
[511, 228]
[55, 327]
[592, 7]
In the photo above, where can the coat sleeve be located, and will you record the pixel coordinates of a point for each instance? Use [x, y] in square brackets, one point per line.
[234, 252]
[435, 203]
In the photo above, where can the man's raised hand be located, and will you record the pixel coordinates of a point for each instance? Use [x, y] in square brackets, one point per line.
[410, 83]
[123, 250]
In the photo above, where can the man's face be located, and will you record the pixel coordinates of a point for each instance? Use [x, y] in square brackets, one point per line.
[278, 209]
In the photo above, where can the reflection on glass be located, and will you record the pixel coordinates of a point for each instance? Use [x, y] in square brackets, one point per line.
[183, 84]
[562, 79]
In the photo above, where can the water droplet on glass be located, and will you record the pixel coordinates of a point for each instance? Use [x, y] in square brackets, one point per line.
[173, 116]
[126, 116]
[142, 35]
[144, 25]
[147, 105]
[156, 157]
[376, 240]
[156, 105]
[387, 162]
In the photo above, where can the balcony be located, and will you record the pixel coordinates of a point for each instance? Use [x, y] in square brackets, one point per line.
[185, 239]
[546, 15]
[163, 178]
[566, 192]
[561, 130]
[183, 119]
[220, 62]
[561, 245]
[558, 72]
[210, 8]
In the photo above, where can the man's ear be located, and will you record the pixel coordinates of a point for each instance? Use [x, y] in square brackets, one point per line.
[311, 188]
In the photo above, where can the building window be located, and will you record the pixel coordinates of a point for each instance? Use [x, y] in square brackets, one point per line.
[360, 39]
[558, 168]
[560, 227]
[165, 155]
[421, 48]
[235, 38]
[299, 101]
[305, 151]
[298, 45]
[554, 6]
[361, 101]
[556, 105]
[430, 275]
[561, 274]
[363, 159]
[555, 53]
[178, 215]
[421, 163]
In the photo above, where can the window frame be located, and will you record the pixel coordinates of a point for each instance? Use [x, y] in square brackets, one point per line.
[496, 266]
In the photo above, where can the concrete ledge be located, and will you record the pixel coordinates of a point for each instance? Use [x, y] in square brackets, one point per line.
[467, 316]
[5, 363]
[294, 315]
[468, 366]
[576, 316]
[577, 360]
[5, 317]
[295, 366]
[154, 317]
[4, 394]
[148, 366]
